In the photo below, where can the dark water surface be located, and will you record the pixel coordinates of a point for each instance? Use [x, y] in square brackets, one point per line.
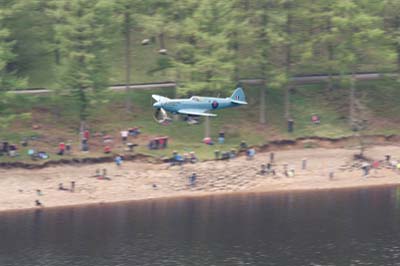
[352, 227]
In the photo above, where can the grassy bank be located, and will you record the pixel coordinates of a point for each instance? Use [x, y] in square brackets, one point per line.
[57, 119]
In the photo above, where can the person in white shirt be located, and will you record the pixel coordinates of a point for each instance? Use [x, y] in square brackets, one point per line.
[124, 135]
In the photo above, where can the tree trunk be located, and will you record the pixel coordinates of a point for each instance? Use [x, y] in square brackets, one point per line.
[264, 64]
[397, 45]
[57, 55]
[288, 59]
[235, 48]
[263, 118]
[287, 102]
[56, 111]
[162, 40]
[206, 127]
[128, 104]
[398, 58]
[330, 58]
[352, 100]
[81, 132]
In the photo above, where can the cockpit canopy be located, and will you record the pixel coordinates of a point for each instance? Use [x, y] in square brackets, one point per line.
[195, 98]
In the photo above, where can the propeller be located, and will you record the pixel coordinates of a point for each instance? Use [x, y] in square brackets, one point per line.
[160, 115]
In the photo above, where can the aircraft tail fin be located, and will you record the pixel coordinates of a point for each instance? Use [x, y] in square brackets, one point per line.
[238, 96]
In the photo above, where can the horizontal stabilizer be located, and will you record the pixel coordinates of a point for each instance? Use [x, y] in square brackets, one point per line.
[159, 98]
[238, 102]
[198, 112]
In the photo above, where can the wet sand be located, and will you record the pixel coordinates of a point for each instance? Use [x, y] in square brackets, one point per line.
[136, 180]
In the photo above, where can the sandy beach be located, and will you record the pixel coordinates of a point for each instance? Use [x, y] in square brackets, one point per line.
[140, 180]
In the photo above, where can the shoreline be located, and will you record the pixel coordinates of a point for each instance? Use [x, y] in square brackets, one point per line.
[135, 181]
[197, 196]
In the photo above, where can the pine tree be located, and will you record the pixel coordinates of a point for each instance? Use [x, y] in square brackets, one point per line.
[54, 10]
[268, 33]
[127, 12]
[8, 70]
[84, 45]
[359, 34]
[391, 26]
[203, 55]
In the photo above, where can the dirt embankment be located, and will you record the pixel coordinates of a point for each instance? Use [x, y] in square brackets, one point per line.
[322, 142]
[75, 161]
[303, 142]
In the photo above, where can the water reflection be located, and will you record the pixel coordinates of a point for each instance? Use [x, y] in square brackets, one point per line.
[353, 227]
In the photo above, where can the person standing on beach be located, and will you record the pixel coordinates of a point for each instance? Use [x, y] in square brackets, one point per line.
[118, 160]
[271, 157]
[304, 164]
[365, 167]
[192, 179]
[263, 170]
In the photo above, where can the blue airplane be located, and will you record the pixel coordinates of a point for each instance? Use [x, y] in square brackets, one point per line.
[195, 106]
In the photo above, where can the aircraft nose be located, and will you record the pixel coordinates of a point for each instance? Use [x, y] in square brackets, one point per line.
[157, 105]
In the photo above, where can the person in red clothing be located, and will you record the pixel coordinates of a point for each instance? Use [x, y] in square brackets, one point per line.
[86, 134]
[107, 149]
[161, 143]
[208, 141]
[315, 119]
[61, 148]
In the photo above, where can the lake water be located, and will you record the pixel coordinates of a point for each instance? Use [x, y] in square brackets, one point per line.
[352, 227]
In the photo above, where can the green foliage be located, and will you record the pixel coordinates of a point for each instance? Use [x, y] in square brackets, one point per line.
[203, 56]
[84, 47]
[7, 113]
[74, 46]
[210, 42]
[8, 69]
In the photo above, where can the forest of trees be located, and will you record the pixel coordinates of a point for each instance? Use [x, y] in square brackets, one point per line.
[211, 44]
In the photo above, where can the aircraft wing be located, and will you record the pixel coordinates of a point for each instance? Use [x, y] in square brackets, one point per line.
[159, 98]
[199, 112]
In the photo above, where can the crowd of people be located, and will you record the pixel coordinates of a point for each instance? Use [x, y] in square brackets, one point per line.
[388, 162]
[65, 148]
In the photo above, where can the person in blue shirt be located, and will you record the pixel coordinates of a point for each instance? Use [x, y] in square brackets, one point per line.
[118, 160]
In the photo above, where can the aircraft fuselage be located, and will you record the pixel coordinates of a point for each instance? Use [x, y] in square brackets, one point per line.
[196, 102]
